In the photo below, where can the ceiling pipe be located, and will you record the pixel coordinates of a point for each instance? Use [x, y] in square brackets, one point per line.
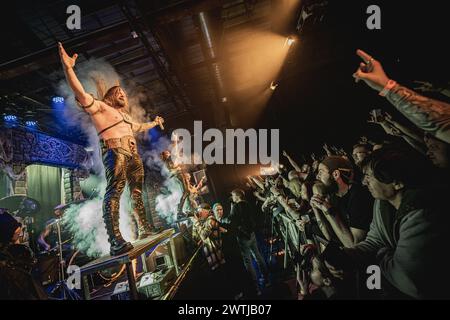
[211, 53]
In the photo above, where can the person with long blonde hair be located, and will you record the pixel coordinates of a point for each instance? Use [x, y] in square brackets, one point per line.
[121, 160]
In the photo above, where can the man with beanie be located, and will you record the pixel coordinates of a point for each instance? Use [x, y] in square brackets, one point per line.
[350, 211]
[10, 228]
[16, 262]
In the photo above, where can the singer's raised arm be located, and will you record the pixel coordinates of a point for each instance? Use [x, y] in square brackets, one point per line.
[85, 100]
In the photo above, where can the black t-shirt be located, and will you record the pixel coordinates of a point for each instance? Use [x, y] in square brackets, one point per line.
[242, 219]
[357, 207]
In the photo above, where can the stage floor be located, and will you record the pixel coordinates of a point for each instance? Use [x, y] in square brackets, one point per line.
[108, 261]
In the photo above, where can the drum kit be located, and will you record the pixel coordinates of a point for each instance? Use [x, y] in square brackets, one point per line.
[49, 266]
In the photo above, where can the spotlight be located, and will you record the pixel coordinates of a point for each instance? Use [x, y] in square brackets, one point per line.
[134, 34]
[10, 118]
[273, 85]
[31, 123]
[58, 100]
[289, 41]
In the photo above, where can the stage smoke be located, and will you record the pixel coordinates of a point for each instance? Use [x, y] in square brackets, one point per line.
[85, 222]
[172, 190]
[74, 116]
[167, 201]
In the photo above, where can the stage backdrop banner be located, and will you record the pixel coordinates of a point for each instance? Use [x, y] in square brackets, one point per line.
[44, 185]
[5, 185]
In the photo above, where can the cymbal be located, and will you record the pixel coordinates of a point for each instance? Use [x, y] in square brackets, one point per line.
[20, 205]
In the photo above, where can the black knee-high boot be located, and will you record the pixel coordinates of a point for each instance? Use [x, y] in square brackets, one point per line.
[144, 228]
[111, 219]
[135, 177]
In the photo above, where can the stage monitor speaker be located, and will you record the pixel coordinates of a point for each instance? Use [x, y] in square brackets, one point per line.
[164, 249]
[121, 291]
[155, 284]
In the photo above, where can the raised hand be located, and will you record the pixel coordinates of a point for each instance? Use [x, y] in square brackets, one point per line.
[327, 149]
[424, 86]
[274, 190]
[372, 119]
[159, 120]
[371, 72]
[387, 124]
[66, 60]
[342, 152]
[387, 116]
[335, 149]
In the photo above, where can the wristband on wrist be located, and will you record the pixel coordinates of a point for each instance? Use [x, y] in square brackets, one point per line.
[389, 86]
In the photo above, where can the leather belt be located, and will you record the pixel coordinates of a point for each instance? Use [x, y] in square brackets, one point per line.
[127, 143]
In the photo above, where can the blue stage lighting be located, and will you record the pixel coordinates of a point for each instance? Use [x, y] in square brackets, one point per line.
[10, 118]
[58, 100]
[31, 123]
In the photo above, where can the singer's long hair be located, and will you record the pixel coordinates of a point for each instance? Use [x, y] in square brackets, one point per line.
[110, 96]
[107, 96]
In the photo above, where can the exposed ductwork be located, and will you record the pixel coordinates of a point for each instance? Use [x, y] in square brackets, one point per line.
[211, 52]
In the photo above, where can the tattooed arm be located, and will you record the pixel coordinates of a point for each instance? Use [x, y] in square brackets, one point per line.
[394, 128]
[292, 162]
[428, 114]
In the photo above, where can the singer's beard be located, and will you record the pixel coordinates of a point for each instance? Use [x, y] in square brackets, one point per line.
[120, 104]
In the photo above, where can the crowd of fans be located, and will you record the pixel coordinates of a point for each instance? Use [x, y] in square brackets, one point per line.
[370, 225]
